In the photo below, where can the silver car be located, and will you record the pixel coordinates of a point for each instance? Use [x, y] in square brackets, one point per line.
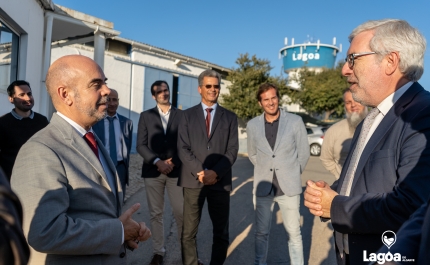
[315, 138]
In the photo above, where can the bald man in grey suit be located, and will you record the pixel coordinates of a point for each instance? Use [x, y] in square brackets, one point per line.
[69, 188]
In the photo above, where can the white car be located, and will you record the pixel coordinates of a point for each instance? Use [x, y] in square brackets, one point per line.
[315, 138]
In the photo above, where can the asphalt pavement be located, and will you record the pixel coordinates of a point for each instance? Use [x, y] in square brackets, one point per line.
[318, 245]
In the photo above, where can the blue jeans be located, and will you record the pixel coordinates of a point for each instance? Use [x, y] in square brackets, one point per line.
[289, 207]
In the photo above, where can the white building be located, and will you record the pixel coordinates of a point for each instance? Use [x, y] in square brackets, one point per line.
[34, 33]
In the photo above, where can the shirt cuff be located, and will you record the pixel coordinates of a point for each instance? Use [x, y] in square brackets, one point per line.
[156, 160]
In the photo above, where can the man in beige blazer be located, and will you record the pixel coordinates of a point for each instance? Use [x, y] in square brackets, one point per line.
[68, 185]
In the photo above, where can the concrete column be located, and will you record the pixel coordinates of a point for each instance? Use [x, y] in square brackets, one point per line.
[99, 48]
[45, 99]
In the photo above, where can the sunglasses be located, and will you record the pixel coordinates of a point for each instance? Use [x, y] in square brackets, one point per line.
[210, 86]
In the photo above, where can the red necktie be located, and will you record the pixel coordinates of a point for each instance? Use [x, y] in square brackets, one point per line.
[91, 141]
[208, 121]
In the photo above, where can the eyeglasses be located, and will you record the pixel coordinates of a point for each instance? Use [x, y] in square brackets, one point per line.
[210, 86]
[351, 57]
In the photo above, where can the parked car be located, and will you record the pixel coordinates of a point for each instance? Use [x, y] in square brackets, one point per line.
[315, 138]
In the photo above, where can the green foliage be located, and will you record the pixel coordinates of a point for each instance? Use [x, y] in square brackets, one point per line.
[320, 92]
[250, 73]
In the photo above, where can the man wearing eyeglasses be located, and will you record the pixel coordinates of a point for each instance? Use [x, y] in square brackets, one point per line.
[385, 176]
[116, 133]
[157, 136]
[207, 146]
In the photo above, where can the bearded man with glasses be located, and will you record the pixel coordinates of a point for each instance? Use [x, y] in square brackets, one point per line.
[385, 176]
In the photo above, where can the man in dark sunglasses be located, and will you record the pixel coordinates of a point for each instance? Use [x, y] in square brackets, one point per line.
[207, 146]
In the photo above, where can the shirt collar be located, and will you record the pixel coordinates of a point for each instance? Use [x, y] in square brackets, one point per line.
[389, 101]
[16, 115]
[77, 127]
[214, 106]
[161, 112]
[114, 116]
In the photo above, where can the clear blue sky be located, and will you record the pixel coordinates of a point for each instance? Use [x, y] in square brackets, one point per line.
[218, 31]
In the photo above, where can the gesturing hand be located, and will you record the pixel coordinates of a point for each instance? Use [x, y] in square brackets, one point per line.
[132, 229]
[318, 198]
[144, 234]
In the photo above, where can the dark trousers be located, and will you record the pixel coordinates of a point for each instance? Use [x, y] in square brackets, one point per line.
[219, 211]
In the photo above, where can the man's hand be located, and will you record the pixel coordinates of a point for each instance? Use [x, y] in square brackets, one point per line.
[207, 177]
[164, 167]
[169, 161]
[318, 198]
[144, 234]
[132, 230]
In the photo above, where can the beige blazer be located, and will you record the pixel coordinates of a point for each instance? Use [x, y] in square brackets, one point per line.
[70, 211]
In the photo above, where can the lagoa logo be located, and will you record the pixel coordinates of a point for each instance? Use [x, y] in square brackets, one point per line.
[388, 238]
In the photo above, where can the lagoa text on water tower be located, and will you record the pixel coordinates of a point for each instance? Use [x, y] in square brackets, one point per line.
[312, 55]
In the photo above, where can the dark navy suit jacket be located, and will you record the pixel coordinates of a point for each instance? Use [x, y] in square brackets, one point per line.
[392, 177]
[127, 136]
[413, 238]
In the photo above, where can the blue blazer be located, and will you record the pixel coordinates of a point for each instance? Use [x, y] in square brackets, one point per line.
[413, 238]
[391, 180]
[126, 137]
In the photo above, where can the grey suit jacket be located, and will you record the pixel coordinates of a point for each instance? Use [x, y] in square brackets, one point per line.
[70, 211]
[126, 138]
[288, 158]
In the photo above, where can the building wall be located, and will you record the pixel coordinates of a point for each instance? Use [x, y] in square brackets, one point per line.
[29, 16]
[133, 75]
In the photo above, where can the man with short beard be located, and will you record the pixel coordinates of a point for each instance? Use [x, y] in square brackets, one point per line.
[337, 139]
[17, 126]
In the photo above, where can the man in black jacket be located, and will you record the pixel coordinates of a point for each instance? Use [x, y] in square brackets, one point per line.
[156, 143]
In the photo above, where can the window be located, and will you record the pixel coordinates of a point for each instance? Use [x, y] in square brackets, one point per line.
[9, 42]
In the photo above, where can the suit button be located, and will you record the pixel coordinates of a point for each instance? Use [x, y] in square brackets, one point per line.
[122, 255]
[271, 169]
[273, 156]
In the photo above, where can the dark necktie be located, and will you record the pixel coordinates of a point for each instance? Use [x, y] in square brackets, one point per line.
[112, 142]
[208, 121]
[91, 141]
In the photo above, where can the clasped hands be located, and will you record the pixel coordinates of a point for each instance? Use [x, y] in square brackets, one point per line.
[318, 198]
[165, 166]
[207, 177]
[134, 232]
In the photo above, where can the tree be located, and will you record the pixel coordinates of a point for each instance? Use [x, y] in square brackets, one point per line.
[245, 80]
[320, 92]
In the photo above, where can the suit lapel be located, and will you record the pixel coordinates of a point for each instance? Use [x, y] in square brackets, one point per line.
[201, 118]
[384, 127]
[281, 129]
[262, 133]
[123, 145]
[77, 142]
[218, 114]
[171, 118]
[157, 118]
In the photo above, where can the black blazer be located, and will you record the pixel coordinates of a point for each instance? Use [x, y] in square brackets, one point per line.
[198, 152]
[152, 143]
[392, 177]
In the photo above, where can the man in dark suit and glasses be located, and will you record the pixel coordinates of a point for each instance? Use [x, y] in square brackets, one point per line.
[207, 147]
[157, 136]
[385, 176]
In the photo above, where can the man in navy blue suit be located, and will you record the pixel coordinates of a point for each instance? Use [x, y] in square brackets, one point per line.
[385, 176]
[116, 133]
